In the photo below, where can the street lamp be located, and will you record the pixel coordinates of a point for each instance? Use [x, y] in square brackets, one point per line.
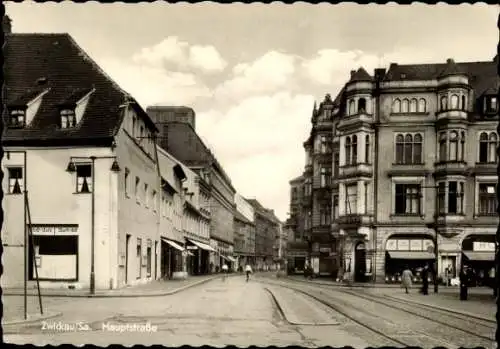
[72, 168]
[434, 226]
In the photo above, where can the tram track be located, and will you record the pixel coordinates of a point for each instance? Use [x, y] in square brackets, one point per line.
[451, 327]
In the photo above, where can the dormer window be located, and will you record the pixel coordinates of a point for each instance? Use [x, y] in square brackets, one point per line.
[490, 104]
[17, 118]
[68, 118]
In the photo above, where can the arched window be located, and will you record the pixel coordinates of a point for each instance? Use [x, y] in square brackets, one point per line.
[408, 148]
[348, 150]
[367, 149]
[454, 102]
[444, 103]
[361, 105]
[413, 105]
[417, 149]
[396, 106]
[422, 105]
[442, 146]
[492, 156]
[351, 107]
[483, 147]
[462, 146]
[464, 103]
[453, 146]
[404, 106]
[400, 142]
[354, 150]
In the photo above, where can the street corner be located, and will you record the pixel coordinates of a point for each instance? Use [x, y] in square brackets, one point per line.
[299, 309]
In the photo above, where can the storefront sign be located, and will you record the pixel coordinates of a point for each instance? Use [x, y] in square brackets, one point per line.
[403, 245]
[54, 230]
[391, 245]
[416, 245]
[428, 244]
[483, 246]
[325, 249]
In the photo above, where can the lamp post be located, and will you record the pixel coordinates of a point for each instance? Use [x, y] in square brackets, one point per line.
[434, 227]
[72, 168]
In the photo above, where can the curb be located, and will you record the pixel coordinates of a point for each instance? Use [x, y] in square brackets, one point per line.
[29, 321]
[157, 294]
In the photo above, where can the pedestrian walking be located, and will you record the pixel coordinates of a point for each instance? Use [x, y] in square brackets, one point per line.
[425, 280]
[248, 271]
[225, 269]
[406, 278]
[464, 282]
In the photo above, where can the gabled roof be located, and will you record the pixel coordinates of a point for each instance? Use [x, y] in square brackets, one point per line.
[56, 62]
[482, 75]
[360, 75]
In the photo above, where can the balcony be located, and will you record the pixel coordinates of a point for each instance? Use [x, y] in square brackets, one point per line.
[444, 168]
[356, 170]
[358, 119]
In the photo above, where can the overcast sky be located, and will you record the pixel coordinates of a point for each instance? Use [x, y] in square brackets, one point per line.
[253, 72]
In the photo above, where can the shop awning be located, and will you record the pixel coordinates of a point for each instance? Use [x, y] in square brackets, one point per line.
[202, 245]
[173, 244]
[229, 258]
[411, 255]
[480, 256]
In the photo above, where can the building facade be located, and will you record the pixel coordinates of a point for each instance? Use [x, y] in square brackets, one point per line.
[244, 232]
[413, 163]
[179, 138]
[96, 226]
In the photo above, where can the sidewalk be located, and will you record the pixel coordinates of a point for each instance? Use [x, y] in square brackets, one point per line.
[153, 289]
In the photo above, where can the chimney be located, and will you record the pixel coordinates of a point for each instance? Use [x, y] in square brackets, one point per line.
[7, 25]
[352, 73]
[379, 73]
[450, 61]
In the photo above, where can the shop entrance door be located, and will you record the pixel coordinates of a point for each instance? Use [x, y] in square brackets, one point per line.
[360, 262]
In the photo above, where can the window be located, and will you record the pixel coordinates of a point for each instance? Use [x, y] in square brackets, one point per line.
[146, 195]
[443, 103]
[324, 144]
[68, 118]
[422, 105]
[153, 197]
[462, 145]
[455, 197]
[325, 177]
[361, 105]
[139, 257]
[335, 206]
[83, 178]
[354, 150]
[336, 164]
[17, 118]
[487, 147]
[396, 106]
[490, 104]
[125, 180]
[141, 133]
[464, 103]
[134, 122]
[442, 146]
[407, 199]
[404, 106]
[413, 105]
[148, 256]
[351, 107]
[351, 199]
[15, 180]
[487, 199]
[441, 198]
[325, 214]
[367, 149]
[454, 102]
[348, 146]
[136, 189]
[453, 153]
[409, 148]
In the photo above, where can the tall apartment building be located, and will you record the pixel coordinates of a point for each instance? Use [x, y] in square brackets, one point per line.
[297, 245]
[413, 157]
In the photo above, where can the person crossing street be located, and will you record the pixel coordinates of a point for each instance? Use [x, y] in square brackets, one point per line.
[248, 271]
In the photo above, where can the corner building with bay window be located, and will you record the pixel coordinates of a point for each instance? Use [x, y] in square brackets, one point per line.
[411, 153]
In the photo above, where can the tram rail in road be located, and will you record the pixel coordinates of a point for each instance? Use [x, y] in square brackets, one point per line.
[451, 325]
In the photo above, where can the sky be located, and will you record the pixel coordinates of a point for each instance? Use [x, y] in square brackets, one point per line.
[253, 72]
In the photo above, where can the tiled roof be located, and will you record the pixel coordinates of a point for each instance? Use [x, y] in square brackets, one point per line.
[361, 75]
[451, 68]
[56, 62]
[482, 75]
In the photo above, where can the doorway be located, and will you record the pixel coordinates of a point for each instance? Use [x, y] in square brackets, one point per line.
[360, 263]
[127, 242]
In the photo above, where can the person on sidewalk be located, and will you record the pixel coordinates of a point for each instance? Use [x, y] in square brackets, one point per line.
[425, 280]
[406, 278]
[248, 271]
[464, 282]
[225, 269]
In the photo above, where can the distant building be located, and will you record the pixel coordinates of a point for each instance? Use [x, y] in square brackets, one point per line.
[244, 232]
[179, 138]
[297, 245]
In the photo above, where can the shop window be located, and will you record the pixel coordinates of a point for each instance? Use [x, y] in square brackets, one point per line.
[55, 256]
[407, 199]
[15, 180]
[351, 202]
[83, 178]
[487, 199]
